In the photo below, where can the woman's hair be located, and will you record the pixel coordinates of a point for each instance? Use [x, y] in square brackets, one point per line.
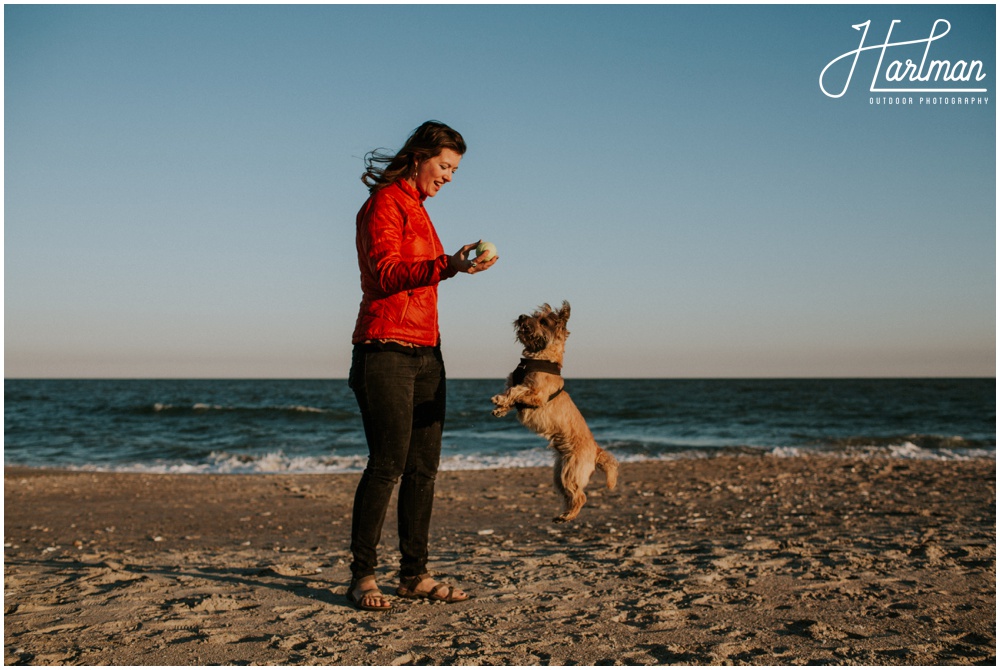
[383, 168]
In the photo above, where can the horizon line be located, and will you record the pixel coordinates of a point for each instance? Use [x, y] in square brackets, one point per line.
[468, 378]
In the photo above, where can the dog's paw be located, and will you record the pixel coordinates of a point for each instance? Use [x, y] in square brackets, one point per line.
[562, 518]
[501, 405]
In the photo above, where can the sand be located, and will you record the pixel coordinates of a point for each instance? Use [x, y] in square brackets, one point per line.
[752, 560]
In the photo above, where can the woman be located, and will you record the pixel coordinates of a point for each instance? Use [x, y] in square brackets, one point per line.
[397, 372]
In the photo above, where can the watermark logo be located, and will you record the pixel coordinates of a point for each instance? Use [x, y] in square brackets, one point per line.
[930, 76]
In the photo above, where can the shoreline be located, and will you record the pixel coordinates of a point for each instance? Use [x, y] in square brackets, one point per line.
[730, 559]
[537, 458]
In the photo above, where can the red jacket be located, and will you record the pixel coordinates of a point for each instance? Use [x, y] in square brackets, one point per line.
[402, 262]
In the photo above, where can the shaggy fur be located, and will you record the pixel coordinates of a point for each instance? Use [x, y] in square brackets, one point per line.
[543, 407]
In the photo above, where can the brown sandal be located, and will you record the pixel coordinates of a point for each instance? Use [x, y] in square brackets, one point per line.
[359, 601]
[408, 589]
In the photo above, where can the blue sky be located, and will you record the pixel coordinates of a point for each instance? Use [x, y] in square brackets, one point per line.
[181, 184]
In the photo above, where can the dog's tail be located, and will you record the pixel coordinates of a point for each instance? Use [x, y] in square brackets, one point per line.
[607, 463]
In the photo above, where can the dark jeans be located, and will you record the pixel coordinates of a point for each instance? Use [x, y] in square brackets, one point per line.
[401, 394]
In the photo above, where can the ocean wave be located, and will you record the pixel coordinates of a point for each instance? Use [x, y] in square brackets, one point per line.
[250, 464]
[920, 441]
[280, 411]
[911, 451]
[902, 451]
[280, 463]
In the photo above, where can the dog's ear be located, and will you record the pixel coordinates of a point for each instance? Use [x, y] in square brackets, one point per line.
[564, 312]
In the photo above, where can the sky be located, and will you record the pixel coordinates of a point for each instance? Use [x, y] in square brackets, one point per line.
[181, 185]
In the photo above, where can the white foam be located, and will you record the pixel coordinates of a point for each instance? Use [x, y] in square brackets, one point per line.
[208, 407]
[224, 463]
[785, 452]
[306, 410]
[908, 450]
[905, 451]
[280, 463]
[530, 458]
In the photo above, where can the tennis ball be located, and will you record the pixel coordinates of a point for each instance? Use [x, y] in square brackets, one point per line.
[486, 250]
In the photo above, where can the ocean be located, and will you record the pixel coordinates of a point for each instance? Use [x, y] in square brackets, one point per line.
[313, 426]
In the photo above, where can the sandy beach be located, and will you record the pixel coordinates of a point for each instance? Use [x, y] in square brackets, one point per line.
[752, 560]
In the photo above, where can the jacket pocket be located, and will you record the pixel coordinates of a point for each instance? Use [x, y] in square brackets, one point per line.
[406, 307]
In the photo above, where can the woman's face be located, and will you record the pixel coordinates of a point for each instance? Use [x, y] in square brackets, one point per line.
[435, 172]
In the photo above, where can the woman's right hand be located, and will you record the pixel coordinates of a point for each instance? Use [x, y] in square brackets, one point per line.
[460, 262]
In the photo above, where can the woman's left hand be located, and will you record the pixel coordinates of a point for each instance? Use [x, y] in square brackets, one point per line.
[460, 262]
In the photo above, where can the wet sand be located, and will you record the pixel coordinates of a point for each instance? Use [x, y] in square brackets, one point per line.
[753, 560]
